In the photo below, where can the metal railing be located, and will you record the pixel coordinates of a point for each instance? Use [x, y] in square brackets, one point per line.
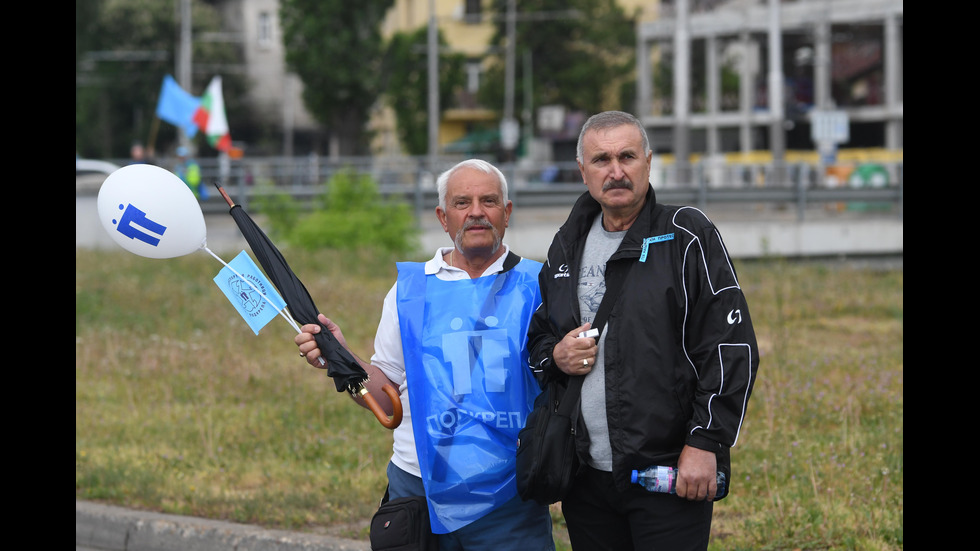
[797, 185]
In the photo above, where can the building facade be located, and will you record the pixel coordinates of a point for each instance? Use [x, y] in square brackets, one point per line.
[802, 67]
[793, 60]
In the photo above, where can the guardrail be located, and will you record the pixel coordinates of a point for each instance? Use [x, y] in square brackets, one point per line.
[795, 186]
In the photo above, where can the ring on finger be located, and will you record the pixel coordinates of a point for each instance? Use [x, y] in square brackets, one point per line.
[585, 362]
[301, 355]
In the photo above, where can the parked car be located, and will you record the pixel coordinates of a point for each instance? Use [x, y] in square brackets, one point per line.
[90, 173]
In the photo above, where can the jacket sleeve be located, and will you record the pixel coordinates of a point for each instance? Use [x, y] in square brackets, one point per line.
[719, 340]
[542, 333]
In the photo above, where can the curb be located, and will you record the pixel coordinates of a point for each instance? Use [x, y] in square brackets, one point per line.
[107, 528]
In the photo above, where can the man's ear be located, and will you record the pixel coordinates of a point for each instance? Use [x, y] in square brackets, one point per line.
[441, 215]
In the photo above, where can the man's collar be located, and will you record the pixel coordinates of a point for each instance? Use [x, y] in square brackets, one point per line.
[436, 263]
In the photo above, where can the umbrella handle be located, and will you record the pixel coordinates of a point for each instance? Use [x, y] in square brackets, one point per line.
[221, 190]
[396, 405]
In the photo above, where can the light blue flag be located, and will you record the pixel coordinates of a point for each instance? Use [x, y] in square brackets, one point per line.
[259, 302]
[177, 106]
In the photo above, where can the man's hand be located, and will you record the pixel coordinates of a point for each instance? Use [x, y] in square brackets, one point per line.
[306, 342]
[574, 355]
[697, 474]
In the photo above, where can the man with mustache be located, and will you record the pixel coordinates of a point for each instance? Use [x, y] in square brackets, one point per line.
[667, 381]
[453, 339]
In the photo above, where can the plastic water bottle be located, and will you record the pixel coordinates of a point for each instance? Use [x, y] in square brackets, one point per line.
[664, 480]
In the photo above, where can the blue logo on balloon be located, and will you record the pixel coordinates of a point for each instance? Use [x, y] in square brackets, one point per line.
[131, 222]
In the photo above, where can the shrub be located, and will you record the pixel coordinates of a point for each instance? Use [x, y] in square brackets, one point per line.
[350, 215]
[279, 208]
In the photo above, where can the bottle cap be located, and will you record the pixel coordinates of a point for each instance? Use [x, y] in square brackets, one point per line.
[633, 476]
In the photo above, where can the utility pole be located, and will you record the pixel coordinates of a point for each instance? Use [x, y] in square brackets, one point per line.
[509, 127]
[184, 58]
[528, 113]
[433, 59]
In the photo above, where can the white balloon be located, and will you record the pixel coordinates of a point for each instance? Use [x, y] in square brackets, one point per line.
[149, 211]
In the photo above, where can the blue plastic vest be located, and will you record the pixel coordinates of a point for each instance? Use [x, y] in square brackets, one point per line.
[471, 388]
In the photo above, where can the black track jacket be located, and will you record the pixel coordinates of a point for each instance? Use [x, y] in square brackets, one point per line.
[681, 354]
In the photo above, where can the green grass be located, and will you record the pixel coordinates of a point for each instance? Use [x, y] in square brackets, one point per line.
[180, 408]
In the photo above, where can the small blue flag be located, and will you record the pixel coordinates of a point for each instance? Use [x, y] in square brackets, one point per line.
[177, 106]
[259, 302]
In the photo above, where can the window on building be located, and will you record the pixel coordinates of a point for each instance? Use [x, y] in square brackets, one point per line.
[473, 70]
[473, 11]
[265, 31]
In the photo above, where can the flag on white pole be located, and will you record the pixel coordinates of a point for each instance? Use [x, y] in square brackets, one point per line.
[211, 119]
[249, 291]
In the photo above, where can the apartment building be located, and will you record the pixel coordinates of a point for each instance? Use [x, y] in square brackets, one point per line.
[812, 57]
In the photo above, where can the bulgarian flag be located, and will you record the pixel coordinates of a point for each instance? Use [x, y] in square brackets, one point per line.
[210, 117]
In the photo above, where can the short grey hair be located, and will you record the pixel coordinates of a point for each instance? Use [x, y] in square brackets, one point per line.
[442, 184]
[607, 120]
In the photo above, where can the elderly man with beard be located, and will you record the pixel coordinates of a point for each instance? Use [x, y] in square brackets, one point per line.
[667, 381]
[452, 338]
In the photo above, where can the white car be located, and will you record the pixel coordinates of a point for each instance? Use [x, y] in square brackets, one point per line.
[90, 173]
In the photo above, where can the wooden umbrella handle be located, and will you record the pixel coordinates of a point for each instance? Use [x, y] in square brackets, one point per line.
[396, 405]
[224, 194]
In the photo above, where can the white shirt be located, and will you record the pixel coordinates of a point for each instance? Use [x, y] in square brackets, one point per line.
[388, 356]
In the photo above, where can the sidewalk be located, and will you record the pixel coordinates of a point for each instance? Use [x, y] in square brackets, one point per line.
[106, 528]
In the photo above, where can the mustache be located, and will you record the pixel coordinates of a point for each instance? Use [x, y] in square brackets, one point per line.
[618, 184]
[470, 222]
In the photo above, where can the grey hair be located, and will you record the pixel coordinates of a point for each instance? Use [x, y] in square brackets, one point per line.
[607, 120]
[442, 184]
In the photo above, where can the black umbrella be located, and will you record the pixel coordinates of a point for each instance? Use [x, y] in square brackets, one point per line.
[342, 367]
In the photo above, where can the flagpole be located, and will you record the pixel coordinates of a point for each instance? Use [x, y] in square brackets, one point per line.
[151, 143]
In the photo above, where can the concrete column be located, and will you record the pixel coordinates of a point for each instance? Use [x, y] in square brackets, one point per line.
[682, 94]
[894, 94]
[823, 99]
[746, 92]
[714, 94]
[644, 82]
[777, 133]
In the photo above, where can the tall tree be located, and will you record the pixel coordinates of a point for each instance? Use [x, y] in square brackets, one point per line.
[407, 85]
[123, 50]
[582, 52]
[335, 47]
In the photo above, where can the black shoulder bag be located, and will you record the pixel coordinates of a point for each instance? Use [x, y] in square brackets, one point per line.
[402, 525]
[546, 457]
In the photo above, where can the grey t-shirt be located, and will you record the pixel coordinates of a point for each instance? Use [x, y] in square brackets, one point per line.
[599, 246]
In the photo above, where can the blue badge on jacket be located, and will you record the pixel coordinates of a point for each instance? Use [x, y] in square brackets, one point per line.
[654, 239]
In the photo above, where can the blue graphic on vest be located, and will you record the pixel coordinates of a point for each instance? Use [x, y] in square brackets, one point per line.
[456, 419]
[132, 220]
[465, 351]
[462, 349]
